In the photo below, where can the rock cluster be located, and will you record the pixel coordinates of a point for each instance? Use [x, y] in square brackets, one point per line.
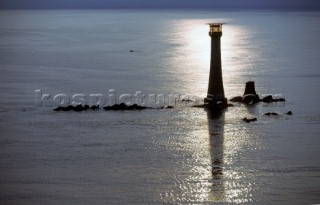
[271, 113]
[76, 108]
[248, 120]
[275, 114]
[270, 99]
[250, 96]
[121, 106]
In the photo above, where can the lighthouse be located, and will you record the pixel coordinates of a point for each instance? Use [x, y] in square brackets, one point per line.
[215, 96]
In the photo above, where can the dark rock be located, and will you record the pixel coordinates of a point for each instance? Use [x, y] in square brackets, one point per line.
[136, 107]
[271, 113]
[123, 106]
[186, 100]
[267, 99]
[248, 120]
[236, 99]
[68, 108]
[169, 107]
[289, 113]
[78, 108]
[94, 107]
[200, 106]
[58, 109]
[270, 99]
[279, 100]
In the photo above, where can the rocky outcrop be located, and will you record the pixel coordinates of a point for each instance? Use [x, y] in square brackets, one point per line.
[236, 99]
[270, 99]
[248, 120]
[271, 113]
[123, 106]
[76, 108]
[251, 97]
[275, 114]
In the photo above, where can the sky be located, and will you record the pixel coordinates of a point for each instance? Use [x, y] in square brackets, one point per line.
[158, 4]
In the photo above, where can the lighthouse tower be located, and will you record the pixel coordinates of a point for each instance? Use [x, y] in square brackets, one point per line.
[215, 96]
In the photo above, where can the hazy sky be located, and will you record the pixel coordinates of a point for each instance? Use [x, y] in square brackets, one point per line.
[228, 4]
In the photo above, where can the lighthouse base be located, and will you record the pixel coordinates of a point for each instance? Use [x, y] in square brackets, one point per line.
[218, 104]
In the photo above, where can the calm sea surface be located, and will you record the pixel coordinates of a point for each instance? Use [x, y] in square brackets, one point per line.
[170, 156]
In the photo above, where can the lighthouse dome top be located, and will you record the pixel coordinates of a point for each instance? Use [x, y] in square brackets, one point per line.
[215, 27]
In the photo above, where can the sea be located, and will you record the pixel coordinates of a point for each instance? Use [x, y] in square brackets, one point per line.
[183, 155]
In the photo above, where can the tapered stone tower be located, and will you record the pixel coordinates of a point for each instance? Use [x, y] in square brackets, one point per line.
[215, 94]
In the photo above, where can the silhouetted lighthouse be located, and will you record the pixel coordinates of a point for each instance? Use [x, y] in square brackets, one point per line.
[215, 94]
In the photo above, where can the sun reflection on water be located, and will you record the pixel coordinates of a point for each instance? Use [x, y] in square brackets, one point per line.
[209, 149]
